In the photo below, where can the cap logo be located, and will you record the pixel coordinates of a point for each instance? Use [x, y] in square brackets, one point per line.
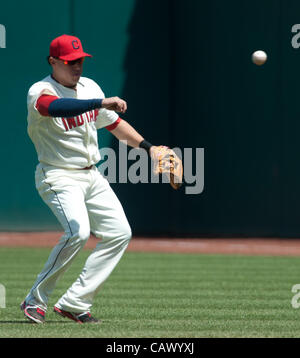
[75, 45]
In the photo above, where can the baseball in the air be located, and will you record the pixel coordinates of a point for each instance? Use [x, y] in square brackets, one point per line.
[259, 57]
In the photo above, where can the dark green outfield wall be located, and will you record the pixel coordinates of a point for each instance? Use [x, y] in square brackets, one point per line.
[185, 70]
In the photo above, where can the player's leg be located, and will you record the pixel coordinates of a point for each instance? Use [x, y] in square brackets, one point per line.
[66, 199]
[108, 222]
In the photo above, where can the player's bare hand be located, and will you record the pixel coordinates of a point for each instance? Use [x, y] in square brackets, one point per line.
[114, 104]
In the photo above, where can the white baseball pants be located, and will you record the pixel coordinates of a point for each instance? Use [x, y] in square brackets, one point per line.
[83, 202]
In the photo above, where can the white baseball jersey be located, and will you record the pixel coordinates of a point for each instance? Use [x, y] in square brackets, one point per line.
[70, 143]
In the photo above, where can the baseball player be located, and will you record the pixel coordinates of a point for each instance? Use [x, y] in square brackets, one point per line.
[64, 112]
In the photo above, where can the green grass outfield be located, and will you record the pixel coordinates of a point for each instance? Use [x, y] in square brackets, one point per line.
[164, 295]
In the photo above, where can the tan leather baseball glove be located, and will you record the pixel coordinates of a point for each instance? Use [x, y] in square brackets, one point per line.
[168, 163]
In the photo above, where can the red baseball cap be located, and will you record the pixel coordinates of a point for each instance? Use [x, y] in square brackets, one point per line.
[67, 48]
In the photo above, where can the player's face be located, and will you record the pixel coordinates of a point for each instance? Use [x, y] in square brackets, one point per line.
[67, 72]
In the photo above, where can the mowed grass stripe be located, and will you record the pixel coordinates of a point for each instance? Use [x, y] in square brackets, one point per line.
[164, 295]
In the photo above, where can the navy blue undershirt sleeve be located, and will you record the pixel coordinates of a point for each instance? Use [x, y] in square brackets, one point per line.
[70, 107]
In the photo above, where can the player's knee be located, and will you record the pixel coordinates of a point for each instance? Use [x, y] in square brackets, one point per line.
[120, 233]
[83, 234]
[78, 230]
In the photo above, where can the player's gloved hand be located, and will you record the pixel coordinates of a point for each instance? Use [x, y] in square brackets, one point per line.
[114, 104]
[167, 162]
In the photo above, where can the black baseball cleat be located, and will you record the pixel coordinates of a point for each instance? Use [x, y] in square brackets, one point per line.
[82, 317]
[33, 313]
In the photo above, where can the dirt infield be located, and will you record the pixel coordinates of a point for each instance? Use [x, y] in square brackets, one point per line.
[245, 246]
